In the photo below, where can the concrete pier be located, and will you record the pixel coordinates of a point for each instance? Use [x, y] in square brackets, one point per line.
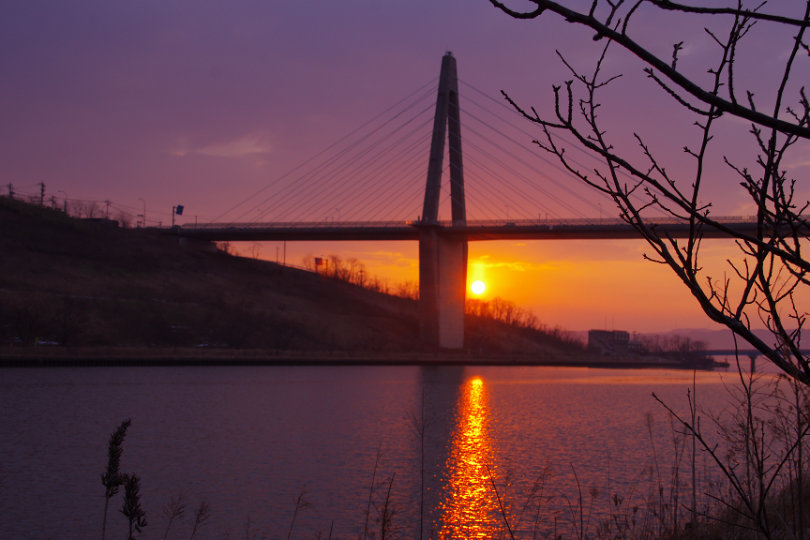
[443, 256]
[442, 288]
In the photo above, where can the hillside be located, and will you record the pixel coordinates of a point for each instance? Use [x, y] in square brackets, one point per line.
[69, 282]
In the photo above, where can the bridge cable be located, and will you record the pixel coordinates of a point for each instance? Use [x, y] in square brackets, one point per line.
[480, 151]
[500, 104]
[572, 144]
[371, 205]
[335, 165]
[321, 170]
[550, 163]
[533, 185]
[421, 89]
[359, 164]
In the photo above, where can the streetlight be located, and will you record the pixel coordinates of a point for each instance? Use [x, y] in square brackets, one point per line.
[176, 211]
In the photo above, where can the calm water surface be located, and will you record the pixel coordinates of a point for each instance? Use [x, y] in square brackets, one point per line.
[452, 445]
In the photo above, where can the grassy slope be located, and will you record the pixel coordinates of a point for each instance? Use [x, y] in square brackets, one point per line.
[77, 282]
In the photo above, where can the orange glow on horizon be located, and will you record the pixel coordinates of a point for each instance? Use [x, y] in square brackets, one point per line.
[574, 285]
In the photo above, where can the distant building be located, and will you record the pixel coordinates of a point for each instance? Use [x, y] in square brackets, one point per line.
[609, 341]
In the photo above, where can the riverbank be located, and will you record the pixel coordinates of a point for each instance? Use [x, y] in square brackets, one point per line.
[33, 357]
[91, 285]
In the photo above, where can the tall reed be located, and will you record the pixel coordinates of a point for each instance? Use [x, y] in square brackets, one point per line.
[761, 458]
[111, 478]
[132, 509]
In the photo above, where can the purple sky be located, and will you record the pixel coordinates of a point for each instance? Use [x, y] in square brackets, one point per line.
[175, 101]
[206, 102]
[203, 103]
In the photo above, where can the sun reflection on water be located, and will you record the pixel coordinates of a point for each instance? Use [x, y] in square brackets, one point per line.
[470, 508]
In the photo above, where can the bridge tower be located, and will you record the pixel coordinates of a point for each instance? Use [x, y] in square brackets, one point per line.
[443, 254]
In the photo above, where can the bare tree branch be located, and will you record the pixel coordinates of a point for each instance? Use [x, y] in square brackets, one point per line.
[772, 273]
[605, 31]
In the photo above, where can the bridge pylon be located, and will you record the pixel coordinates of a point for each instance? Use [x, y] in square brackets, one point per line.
[443, 254]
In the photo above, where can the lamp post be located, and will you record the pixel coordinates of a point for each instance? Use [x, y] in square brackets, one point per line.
[176, 211]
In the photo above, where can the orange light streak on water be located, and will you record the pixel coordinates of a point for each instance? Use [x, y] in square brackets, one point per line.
[471, 509]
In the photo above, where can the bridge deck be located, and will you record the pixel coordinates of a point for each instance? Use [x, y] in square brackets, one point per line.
[473, 230]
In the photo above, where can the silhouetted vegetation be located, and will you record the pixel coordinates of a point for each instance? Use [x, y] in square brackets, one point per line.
[759, 453]
[132, 509]
[673, 343]
[488, 320]
[767, 278]
[77, 282]
[112, 479]
[761, 462]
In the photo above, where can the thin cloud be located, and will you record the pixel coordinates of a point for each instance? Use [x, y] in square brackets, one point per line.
[798, 163]
[248, 145]
[518, 266]
[394, 258]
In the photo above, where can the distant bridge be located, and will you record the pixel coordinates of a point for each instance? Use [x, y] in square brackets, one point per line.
[731, 352]
[751, 354]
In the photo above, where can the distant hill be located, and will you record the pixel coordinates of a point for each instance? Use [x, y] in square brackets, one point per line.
[722, 337]
[73, 282]
[719, 338]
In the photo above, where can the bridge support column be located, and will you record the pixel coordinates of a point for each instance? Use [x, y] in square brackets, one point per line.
[442, 288]
[442, 254]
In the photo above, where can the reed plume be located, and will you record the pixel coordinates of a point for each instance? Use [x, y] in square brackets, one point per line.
[112, 479]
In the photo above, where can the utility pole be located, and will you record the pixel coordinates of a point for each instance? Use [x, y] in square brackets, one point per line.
[143, 216]
[41, 193]
[10, 190]
[64, 200]
[107, 202]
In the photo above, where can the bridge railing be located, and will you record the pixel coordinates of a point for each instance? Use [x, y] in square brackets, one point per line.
[664, 220]
[299, 225]
[332, 224]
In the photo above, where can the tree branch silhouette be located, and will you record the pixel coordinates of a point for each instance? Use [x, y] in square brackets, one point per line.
[770, 275]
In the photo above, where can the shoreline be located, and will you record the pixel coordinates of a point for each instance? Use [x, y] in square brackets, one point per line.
[17, 357]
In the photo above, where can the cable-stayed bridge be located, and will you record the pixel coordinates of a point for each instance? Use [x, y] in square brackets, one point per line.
[525, 229]
[358, 190]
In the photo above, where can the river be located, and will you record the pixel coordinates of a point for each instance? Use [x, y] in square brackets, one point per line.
[329, 451]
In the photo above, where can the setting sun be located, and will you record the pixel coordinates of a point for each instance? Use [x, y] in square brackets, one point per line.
[478, 287]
